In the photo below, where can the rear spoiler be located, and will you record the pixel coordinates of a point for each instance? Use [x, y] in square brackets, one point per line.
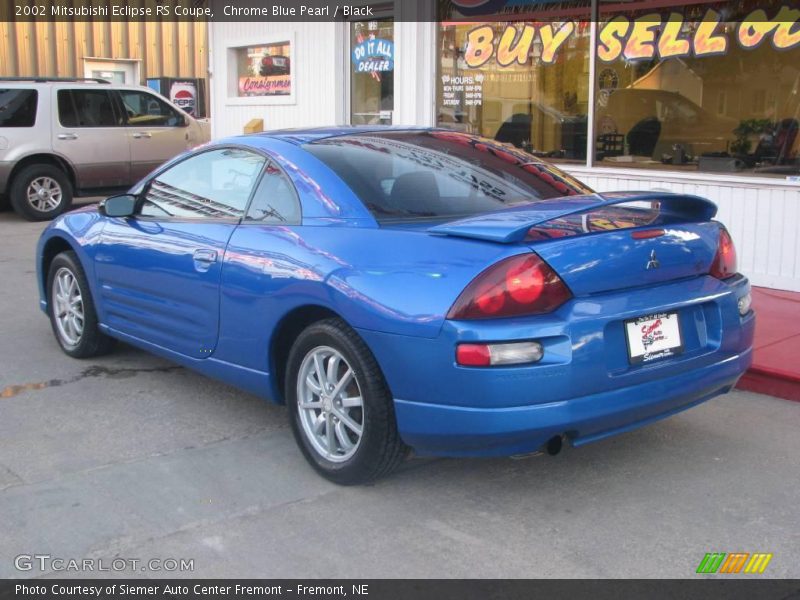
[512, 224]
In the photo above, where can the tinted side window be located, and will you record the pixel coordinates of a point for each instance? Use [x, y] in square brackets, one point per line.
[145, 110]
[213, 184]
[275, 200]
[18, 108]
[86, 108]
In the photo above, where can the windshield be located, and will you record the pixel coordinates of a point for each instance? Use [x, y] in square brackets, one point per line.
[401, 175]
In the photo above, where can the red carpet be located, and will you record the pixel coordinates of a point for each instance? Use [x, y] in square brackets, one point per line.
[776, 357]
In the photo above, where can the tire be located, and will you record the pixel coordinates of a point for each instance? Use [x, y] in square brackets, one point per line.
[55, 192]
[4, 203]
[90, 341]
[378, 450]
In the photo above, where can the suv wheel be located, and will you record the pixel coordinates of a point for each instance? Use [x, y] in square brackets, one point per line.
[41, 192]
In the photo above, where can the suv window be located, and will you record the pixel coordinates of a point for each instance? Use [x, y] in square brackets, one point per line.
[86, 108]
[18, 108]
[275, 201]
[146, 110]
[212, 185]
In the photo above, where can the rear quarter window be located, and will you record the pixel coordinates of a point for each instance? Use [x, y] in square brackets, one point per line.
[402, 175]
[18, 107]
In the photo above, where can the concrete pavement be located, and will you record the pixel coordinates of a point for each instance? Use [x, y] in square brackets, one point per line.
[131, 457]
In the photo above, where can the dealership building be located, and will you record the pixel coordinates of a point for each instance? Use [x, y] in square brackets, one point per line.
[688, 96]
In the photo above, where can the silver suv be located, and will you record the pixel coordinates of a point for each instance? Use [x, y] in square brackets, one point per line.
[61, 138]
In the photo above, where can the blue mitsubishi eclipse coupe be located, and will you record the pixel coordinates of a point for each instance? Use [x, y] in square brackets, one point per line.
[408, 289]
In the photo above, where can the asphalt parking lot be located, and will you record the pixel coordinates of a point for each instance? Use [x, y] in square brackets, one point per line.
[131, 457]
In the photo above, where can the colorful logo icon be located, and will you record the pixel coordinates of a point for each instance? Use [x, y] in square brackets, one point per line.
[185, 100]
[734, 562]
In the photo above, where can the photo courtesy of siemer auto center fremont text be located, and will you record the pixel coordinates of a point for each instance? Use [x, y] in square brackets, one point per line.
[400, 299]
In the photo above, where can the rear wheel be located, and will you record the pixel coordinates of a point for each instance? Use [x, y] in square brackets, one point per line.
[72, 311]
[40, 192]
[340, 408]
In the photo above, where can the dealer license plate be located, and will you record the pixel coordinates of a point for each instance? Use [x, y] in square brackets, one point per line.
[653, 337]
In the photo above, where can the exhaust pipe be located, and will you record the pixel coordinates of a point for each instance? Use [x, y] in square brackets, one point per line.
[554, 444]
[552, 447]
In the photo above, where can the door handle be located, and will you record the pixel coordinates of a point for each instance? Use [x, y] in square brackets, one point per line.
[142, 134]
[68, 136]
[205, 256]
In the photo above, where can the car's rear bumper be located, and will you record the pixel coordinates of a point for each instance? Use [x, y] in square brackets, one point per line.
[463, 431]
[584, 387]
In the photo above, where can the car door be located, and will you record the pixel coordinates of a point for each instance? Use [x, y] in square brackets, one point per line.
[157, 131]
[264, 260]
[89, 132]
[158, 272]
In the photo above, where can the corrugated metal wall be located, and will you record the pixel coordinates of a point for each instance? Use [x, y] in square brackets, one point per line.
[761, 214]
[57, 49]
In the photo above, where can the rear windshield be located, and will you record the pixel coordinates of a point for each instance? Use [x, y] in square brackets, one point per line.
[403, 175]
[18, 107]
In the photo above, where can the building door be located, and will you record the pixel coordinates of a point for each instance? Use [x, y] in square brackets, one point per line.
[125, 71]
[109, 75]
[372, 72]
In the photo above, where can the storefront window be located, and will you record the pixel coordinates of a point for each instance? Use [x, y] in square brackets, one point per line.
[372, 72]
[264, 70]
[711, 88]
[519, 82]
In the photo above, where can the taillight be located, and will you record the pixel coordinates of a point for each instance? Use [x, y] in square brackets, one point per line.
[493, 355]
[724, 264]
[520, 285]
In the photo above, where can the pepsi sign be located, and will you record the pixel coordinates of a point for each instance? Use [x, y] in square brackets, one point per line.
[183, 95]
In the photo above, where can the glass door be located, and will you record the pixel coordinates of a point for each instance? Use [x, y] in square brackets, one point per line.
[372, 72]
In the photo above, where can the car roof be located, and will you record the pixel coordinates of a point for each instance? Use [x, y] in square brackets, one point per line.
[89, 81]
[94, 83]
[306, 135]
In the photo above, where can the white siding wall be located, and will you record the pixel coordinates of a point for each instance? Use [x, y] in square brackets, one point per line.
[317, 76]
[320, 72]
[763, 216]
[414, 85]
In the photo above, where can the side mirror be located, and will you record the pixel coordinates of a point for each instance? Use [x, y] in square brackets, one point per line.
[123, 205]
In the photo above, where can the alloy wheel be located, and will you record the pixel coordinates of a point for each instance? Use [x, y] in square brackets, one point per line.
[44, 194]
[68, 307]
[330, 404]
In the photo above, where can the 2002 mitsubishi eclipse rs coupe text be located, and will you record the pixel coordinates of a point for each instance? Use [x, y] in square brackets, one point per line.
[408, 288]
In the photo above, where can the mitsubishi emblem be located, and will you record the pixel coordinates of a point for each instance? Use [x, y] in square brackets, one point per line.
[653, 262]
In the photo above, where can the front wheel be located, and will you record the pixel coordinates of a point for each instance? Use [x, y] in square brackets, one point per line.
[340, 408]
[72, 311]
